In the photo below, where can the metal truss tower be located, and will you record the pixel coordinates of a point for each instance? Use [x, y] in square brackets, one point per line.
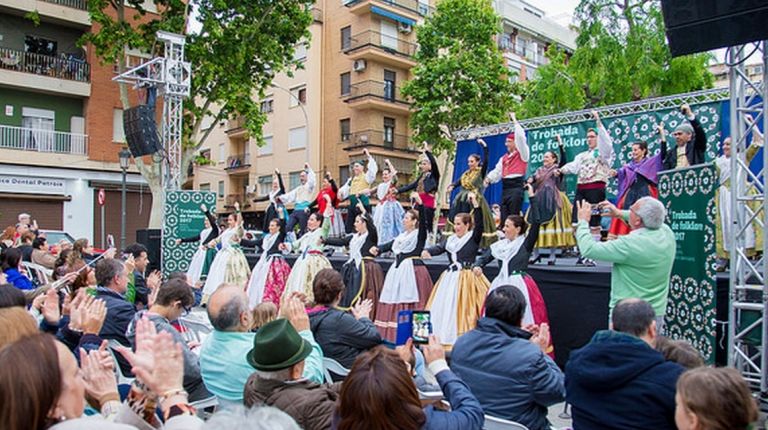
[748, 325]
[172, 76]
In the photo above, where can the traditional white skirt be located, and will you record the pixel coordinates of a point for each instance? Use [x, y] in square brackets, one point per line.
[229, 266]
[303, 274]
[444, 307]
[195, 269]
[257, 282]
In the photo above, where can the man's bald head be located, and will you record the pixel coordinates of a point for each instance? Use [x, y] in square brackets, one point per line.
[228, 309]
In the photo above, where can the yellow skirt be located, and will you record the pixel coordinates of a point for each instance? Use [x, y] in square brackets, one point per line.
[456, 303]
[558, 232]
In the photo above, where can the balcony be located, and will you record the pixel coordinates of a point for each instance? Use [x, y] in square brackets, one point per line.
[70, 12]
[37, 140]
[238, 165]
[75, 4]
[377, 95]
[59, 74]
[229, 202]
[413, 9]
[527, 53]
[375, 46]
[317, 14]
[236, 127]
[378, 139]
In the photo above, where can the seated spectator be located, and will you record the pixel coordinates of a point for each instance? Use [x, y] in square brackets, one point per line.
[138, 293]
[379, 393]
[62, 265]
[342, 336]
[16, 323]
[256, 418]
[263, 313]
[8, 237]
[680, 352]
[25, 246]
[175, 299]
[40, 254]
[112, 279]
[506, 366]
[12, 268]
[83, 250]
[714, 399]
[618, 380]
[223, 361]
[278, 355]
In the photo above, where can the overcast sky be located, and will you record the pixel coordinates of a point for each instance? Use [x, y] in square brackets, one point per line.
[556, 7]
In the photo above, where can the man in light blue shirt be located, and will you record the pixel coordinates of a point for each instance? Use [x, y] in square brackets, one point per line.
[223, 361]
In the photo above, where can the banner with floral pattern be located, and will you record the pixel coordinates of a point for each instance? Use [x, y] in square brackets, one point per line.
[182, 218]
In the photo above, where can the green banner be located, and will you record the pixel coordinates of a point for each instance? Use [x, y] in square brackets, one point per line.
[624, 130]
[183, 218]
[689, 195]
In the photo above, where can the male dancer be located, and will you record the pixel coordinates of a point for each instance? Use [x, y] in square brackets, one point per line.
[510, 169]
[357, 189]
[593, 168]
[303, 195]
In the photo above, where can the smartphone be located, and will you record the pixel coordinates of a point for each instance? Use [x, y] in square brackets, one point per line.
[404, 327]
[422, 326]
[596, 210]
[110, 241]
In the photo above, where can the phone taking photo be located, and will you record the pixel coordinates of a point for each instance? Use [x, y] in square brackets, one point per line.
[422, 327]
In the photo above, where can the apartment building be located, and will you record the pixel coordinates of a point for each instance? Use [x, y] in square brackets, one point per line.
[61, 125]
[347, 98]
[722, 80]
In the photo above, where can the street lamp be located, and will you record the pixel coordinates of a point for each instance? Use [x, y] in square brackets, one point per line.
[125, 162]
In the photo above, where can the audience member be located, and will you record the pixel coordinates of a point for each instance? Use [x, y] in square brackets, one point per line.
[175, 299]
[12, 268]
[112, 279]
[11, 296]
[140, 292]
[618, 380]
[40, 254]
[83, 250]
[714, 399]
[278, 356]
[16, 323]
[642, 261]
[255, 418]
[341, 335]
[506, 366]
[680, 352]
[26, 246]
[379, 393]
[223, 361]
[263, 313]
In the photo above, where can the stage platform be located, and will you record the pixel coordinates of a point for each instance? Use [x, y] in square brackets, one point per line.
[576, 298]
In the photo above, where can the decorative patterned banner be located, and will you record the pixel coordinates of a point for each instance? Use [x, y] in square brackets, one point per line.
[183, 218]
[689, 195]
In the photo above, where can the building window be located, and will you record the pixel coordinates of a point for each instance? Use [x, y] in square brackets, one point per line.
[298, 95]
[206, 153]
[118, 132]
[344, 128]
[265, 185]
[346, 38]
[267, 106]
[222, 153]
[343, 174]
[389, 131]
[40, 45]
[297, 138]
[267, 148]
[346, 84]
[294, 180]
[389, 85]
[205, 187]
[300, 52]
[221, 189]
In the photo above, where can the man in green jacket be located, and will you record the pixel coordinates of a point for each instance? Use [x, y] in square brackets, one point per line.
[642, 260]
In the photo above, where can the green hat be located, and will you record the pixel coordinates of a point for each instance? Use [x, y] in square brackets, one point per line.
[277, 346]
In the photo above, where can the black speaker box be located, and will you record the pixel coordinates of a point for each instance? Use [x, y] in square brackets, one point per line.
[701, 25]
[141, 130]
[151, 238]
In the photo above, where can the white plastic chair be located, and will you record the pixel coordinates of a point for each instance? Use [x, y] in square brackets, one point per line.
[332, 366]
[493, 423]
[37, 273]
[122, 379]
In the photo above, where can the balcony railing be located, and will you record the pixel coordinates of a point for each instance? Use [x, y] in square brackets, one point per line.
[32, 139]
[62, 67]
[382, 90]
[529, 53]
[75, 4]
[238, 161]
[390, 44]
[378, 138]
[413, 6]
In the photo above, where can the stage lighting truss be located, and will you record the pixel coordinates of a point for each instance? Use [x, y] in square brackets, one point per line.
[171, 75]
[748, 325]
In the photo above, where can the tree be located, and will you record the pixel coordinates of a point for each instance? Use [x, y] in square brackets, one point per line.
[240, 47]
[460, 80]
[621, 56]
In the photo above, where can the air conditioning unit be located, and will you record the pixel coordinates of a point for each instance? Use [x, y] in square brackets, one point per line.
[359, 65]
[404, 28]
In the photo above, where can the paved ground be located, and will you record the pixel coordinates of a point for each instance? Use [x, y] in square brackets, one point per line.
[556, 417]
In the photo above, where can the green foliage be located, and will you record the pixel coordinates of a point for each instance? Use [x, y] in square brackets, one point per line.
[621, 56]
[33, 16]
[460, 79]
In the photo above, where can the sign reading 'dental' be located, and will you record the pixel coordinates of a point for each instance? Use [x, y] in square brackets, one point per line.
[31, 185]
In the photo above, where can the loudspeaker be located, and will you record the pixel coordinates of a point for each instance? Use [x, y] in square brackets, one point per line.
[141, 130]
[151, 238]
[701, 25]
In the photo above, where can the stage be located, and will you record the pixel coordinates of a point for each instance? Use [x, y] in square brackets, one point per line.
[576, 298]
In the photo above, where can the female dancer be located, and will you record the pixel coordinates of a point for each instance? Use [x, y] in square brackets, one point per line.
[457, 300]
[271, 271]
[201, 261]
[426, 186]
[471, 182]
[388, 215]
[230, 265]
[312, 259]
[551, 208]
[637, 179]
[356, 188]
[407, 284]
[362, 275]
[329, 189]
[512, 254]
[275, 205]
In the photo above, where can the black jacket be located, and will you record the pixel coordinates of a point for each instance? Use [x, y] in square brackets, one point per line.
[466, 255]
[341, 336]
[431, 181]
[694, 149]
[275, 249]
[518, 262]
[419, 245]
[212, 235]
